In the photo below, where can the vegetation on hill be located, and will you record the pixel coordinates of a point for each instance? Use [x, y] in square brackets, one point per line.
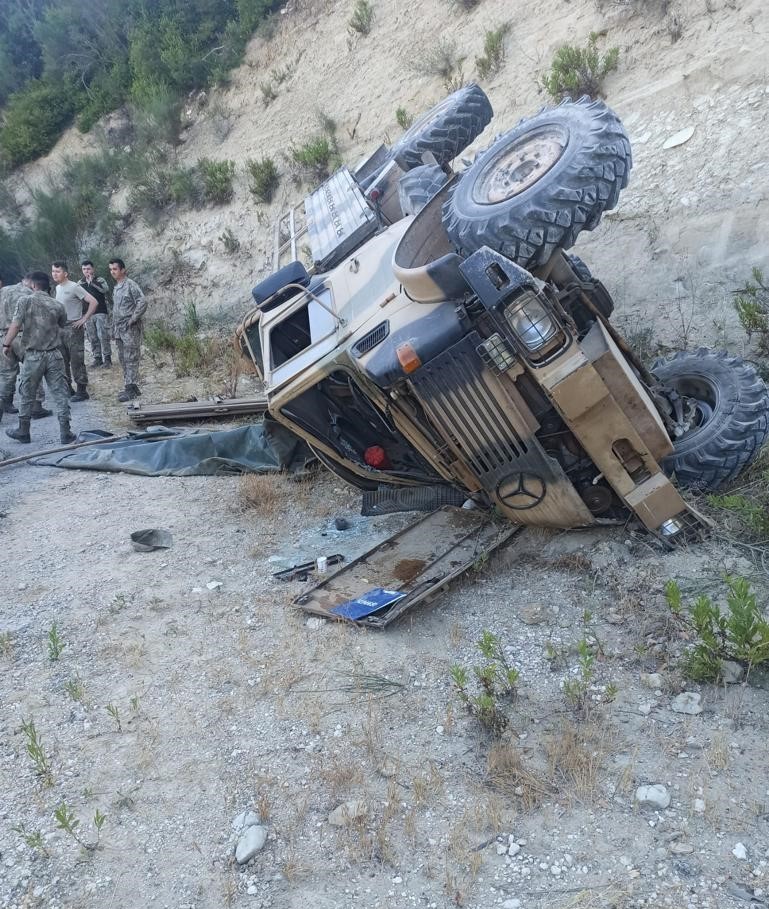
[65, 60]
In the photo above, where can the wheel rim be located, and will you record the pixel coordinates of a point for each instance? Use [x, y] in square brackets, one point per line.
[703, 397]
[520, 166]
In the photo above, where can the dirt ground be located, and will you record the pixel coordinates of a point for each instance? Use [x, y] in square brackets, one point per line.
[188, 690]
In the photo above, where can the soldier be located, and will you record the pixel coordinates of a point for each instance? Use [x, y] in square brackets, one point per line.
[10, 360]
[97, 328]
[129, 306]
[72, 295]
[41, 319]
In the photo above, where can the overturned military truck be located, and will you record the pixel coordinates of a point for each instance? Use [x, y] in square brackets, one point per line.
[443, 341]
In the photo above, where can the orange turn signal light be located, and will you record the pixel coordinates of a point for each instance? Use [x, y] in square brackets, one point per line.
[407, 357]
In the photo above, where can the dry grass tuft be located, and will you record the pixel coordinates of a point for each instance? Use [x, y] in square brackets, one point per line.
[574, 760]
[506, 772]
[269, 493]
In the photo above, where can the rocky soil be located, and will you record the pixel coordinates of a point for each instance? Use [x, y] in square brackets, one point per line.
[247, 755]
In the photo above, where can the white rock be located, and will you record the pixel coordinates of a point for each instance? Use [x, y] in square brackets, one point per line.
[513, 849]
[683, 135]
[251, 841]
[511, 904]
[687, 702]
[740, 852]
[214, 585]
[252, 890]
[348, 812]
[699, 806]
[501, 849]
[247, 818]
[655, 796]
[651, 680]
[315, 622]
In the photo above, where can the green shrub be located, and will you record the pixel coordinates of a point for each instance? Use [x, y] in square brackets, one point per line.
[264, 178]
[403, 118]
[496, 682]
[493, 51]
[577, 71]
[158, 338]
[217, 180]
[184, 186]
[316, 157]
[362, 17]
[741, 634]
[752, 304]
[441, 59]
[33, 119]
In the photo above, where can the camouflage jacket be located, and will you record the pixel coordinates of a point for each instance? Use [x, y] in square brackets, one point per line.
[128, 307]
[40, 318]
[9, 298]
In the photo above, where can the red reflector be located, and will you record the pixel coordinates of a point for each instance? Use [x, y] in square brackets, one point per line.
[375, 195]
[376, 456]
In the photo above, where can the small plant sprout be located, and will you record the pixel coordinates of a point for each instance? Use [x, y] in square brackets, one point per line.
[113, 711]
[576, 690]
[497, 682]
[230, 242]
[740, 634]
[577, 71]
[268, 93]
[403, 118]
[33, 838]
[75, 689]
[34, 746]
[69, 823]
[55, 644]
[134, 703]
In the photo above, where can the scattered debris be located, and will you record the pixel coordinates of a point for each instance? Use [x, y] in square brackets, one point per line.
[683, 135]
[151, 539]
[300, 572]
[144, 414]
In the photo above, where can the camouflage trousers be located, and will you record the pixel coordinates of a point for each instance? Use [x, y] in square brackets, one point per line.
[97, 329]
[73, 351]
[129, 356]
[10, 365]
[39, 365]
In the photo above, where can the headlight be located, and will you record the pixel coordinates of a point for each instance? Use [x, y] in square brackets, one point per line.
[531, 323]
[670, 527]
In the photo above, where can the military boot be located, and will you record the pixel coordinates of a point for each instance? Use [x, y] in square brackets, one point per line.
[6, 404]
[82, 393]
[21, 433]
[131, 392]
[39, 412]
[65, 433]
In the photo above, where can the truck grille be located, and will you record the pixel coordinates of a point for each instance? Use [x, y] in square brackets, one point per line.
[469, 407]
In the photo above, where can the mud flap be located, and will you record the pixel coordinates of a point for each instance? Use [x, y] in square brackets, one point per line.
[414, 565]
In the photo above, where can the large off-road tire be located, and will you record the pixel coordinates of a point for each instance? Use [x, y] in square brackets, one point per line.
[540, 184]
[732, 416]
[599, 295]
[416, 187]
[446, 130]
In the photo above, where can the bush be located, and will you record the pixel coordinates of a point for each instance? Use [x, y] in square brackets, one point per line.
[493, 52]
[316, 157]
[441, 59]
[403, 118]
[741, 634]
[361, 18]
[577, 71]
[264, 178]
[752, 305]
[217, 180]
[33, 120]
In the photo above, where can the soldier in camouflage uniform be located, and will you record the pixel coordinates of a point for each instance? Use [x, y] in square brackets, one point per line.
[10, 361]
[128, 307]
[41, 318]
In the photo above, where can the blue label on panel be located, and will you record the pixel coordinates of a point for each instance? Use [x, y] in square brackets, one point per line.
[368, 603]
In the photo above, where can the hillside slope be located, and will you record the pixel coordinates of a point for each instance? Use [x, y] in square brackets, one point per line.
[688, 228]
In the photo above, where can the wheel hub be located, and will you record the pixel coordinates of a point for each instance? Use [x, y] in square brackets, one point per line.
[521, 166]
